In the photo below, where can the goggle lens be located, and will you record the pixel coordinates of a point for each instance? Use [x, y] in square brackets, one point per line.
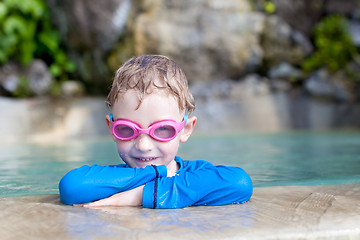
[123, 131]
[165, 132]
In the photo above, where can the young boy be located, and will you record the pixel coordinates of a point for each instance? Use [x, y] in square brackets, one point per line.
[151, 103]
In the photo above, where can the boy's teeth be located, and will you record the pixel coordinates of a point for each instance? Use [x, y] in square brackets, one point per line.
[146, 159]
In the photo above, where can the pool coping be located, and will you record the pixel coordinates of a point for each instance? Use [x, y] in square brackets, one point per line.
[282, 212]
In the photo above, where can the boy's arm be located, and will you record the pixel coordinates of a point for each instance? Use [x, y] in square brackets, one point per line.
[88, 184]
[130, 198]
[210, 185]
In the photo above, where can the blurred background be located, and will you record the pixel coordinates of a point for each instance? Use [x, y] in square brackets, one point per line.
[253, 65]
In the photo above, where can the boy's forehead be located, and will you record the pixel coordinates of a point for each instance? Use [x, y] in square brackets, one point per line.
[154, 100]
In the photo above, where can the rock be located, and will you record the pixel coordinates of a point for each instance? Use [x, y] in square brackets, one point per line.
[250, 86]
[39, 77]
[345, 88]
[322, 84]
[72, 88]
[319, 84]
[285, 71]
[220, 39]
[214, 40]
[301, 15]
[229, 90]
[34, 79]
[9, 76]
[281, 43]
[90, 24]
[303, 41]
[256, 85]
[353, 70]
[354, 30]
[346, 8]
[10, 83]
[215, 90]
[280, 85]
[90, 29]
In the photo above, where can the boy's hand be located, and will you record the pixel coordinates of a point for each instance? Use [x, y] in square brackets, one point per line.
[170, 173]
[132, 197]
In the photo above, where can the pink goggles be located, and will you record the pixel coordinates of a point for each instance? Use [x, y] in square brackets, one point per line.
[163, 131]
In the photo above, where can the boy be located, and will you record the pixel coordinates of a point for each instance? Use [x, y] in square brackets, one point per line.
[150, 102]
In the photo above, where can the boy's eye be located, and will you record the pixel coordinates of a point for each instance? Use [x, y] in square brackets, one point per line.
[165, 131]
[124, 131]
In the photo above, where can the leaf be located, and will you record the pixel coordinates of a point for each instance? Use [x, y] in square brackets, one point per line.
[50, 40]
[15, 24]
[55, 70]
[27, 49]
[34, 7]
[70, 66]
[3, 57]
[3, 10]
[8, 44]
[60, 57]
[269, 7]
[334, 45]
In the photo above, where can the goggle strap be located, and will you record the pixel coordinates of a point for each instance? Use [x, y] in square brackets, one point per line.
[185, 118]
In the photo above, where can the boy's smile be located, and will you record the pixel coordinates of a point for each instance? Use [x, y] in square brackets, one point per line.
[144, 150]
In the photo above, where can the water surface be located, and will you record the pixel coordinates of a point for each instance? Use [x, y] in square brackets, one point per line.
[270, 159]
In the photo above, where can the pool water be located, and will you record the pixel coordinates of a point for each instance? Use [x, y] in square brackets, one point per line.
[270, 159]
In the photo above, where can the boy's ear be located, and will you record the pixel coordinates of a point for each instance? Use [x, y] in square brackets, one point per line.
[108, 123]
[188, 129]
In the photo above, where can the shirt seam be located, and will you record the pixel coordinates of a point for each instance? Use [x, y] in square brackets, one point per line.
[155, 186]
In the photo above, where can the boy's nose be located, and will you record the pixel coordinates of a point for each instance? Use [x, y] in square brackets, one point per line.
[144, 142]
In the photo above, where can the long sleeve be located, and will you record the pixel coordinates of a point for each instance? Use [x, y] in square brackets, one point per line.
[88, 184]
[200, 183]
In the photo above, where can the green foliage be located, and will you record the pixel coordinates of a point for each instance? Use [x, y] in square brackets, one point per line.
[269, 7]
[334, 45]
[23, 89]
[26, 33]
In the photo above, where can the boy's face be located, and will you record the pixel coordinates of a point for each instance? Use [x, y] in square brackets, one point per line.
[144, 150]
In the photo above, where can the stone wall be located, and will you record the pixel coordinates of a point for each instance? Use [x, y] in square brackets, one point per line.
[210, 39]
[257, 111]
[47, 119]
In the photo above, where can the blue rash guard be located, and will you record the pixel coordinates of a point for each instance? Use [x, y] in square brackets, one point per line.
[195, 183]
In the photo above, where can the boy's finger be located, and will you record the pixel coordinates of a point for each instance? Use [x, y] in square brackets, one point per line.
[100, 203]
[78, 205]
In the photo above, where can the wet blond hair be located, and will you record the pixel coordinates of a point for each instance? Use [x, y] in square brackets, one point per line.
[148, 72]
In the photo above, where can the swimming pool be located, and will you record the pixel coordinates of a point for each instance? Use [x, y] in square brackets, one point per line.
[297, 158]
